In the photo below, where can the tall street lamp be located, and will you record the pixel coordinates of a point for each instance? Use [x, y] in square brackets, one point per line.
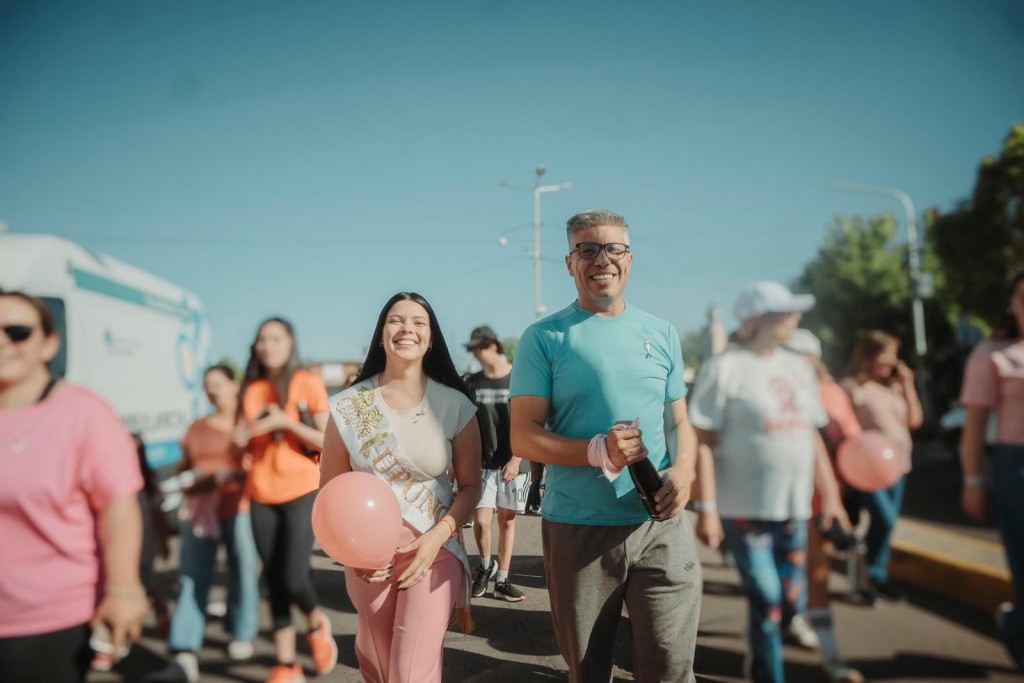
[538, 190]
[920, 341]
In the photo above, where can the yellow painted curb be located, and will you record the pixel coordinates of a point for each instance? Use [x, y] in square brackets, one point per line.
[937, 568]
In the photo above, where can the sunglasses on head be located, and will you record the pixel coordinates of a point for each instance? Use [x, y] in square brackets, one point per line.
[18, 333]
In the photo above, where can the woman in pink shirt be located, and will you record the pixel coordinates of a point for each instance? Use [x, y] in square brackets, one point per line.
[994, 383]
[69, 514]
[881, 388]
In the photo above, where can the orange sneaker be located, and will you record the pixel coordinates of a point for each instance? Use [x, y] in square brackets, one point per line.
[283, 673]
[323, 647]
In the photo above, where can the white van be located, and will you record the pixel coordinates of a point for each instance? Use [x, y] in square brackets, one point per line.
[138, 341]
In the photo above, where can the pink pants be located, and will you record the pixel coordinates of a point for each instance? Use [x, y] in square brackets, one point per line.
[400, 638]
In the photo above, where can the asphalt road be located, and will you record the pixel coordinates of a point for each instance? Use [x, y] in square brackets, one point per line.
[922, 638]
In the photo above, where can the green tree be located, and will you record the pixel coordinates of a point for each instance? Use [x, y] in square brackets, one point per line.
[693, 347]
[861, 282]
[981, 244]
[509, 345]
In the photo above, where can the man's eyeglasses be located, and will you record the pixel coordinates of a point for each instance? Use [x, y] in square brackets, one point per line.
[588, 251]
[18, 333]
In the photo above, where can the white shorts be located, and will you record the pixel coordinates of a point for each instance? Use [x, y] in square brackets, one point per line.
[508, 495]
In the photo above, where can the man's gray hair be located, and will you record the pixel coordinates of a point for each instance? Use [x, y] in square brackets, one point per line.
[591, 219]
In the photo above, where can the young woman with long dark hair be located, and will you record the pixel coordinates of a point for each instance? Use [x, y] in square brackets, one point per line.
[881, 388]
[409, 420]
[276, 396]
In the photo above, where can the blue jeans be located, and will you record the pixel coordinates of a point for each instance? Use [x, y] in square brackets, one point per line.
[772, 561]
[1008, 492]
[198, 560]
[884, 506]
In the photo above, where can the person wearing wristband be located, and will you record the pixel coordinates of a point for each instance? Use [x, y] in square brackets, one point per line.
[593, 388]
[757, 410]
[69, 511]
[409, 420]
[994, 384]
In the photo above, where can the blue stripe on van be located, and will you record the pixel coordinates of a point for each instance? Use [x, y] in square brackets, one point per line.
[163, 454]
[117, 290]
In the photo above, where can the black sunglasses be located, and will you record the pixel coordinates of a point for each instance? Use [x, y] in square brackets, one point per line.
[18, 333]
[589, 251]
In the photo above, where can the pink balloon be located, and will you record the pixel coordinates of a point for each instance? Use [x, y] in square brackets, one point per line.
[868, 462]
[357, 520]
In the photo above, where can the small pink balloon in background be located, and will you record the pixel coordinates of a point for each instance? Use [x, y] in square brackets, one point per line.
[869, 462]
[357, 520]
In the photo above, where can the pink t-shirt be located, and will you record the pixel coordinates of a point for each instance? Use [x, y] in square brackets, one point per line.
[885, 409]
[994, 379]
[61, 461]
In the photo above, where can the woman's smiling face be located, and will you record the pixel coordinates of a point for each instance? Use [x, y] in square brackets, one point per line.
[406, 333]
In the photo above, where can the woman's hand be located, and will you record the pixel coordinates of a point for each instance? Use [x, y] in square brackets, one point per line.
[375, 575]
[241, 435]
[709, 529]
[123, 613]
[273, 420]
[426, 546]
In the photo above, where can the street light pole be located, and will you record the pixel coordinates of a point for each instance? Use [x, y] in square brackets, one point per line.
[917, 307]
[538, 190]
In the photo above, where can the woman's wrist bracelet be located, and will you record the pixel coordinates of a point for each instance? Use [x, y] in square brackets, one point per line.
[450, 523]
[121, 592]
[974, 480]
[705, 506]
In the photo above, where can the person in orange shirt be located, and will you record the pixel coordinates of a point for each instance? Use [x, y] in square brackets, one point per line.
[283, 415]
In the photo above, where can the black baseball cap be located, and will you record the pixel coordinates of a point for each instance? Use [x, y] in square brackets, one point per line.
[480, 337]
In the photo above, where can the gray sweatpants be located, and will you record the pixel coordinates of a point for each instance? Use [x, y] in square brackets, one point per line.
[651, 567]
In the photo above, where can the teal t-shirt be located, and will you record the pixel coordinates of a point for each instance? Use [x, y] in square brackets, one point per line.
[597, 371]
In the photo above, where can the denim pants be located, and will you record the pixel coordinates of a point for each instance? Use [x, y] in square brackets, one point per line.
[198, 561]
[884, 507]
[1008, 494]
[772, 561]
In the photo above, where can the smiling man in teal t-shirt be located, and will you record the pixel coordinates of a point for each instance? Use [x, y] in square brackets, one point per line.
[577, 373]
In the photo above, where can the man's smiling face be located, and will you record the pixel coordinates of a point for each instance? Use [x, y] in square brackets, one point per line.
[600, 281]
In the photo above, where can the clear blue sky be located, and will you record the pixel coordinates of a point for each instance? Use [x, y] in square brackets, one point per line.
[310, 159]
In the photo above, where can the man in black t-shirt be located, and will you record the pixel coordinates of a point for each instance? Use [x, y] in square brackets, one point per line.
[506, 478]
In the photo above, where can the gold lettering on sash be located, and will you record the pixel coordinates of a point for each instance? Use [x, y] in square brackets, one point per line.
[381, 438]
[417, 495]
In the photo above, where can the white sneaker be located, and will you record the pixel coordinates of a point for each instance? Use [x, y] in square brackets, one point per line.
[800, 633]
[239, 650]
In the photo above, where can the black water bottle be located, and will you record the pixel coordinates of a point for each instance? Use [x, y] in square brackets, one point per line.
[647, 483]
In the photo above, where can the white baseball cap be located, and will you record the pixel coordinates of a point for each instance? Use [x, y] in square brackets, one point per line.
[770, 297]
[804, 341]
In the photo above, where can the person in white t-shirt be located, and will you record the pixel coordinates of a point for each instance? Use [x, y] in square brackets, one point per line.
[756, 409]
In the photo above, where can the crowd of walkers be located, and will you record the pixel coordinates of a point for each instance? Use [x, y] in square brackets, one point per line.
[595, 390]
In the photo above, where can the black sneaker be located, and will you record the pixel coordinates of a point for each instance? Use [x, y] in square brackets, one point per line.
[483, 577]
[507, 592]
[887, 591]
[868, 595]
